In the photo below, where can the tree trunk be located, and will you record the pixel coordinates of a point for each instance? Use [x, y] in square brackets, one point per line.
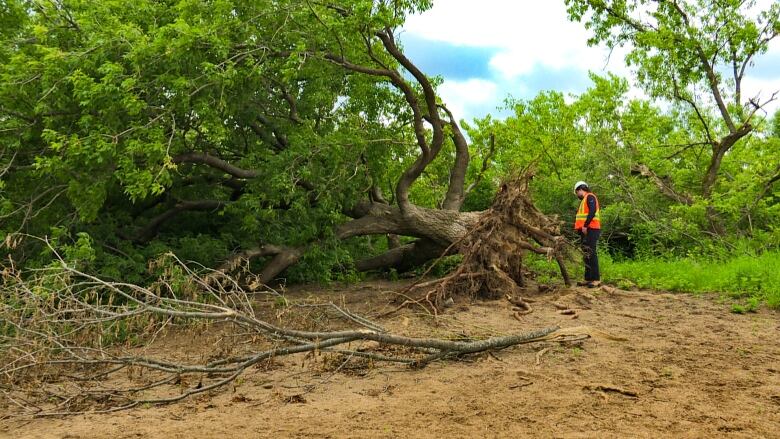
[403, 258]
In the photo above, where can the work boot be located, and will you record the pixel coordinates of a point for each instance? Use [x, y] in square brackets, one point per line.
[582, 283]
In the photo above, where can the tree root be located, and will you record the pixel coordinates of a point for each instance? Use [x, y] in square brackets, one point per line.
[611, 389]
[540, 354]
[493, 251]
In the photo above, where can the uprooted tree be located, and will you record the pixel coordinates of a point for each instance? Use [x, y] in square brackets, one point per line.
[225, 131]
[290, 126]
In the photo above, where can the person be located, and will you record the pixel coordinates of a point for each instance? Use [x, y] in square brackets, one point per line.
[587, 223]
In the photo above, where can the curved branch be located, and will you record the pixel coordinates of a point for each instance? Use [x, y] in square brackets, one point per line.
[707, 66]
[388, 40]
[427, 155]
[456, 192]
[429, 152]
[664, 186]
[376, 219]
[215, 162]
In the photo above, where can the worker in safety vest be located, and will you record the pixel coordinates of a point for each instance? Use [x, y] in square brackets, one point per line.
[588, 225]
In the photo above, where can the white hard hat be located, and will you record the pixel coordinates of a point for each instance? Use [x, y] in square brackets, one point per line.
[578, 184]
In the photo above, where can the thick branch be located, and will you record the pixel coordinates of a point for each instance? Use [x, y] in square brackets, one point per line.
[456, 190]
[664, 186]
[374, 219]
[403, 258]
[280, 262]
[215, 162]
[246, 255]
[437, 141]
[719, 151]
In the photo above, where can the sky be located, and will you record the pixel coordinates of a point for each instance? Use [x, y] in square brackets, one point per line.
[488, 50]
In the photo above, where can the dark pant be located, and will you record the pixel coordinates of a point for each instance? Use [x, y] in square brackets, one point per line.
[590, 256]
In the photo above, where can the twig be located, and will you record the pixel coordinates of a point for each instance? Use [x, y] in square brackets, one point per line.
[540, 354]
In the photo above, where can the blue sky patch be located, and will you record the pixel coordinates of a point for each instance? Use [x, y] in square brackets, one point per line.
[437, 58]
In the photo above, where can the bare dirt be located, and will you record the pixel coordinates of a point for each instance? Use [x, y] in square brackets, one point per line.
[659, 365]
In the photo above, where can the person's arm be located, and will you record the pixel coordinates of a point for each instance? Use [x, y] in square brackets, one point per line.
[591, 210]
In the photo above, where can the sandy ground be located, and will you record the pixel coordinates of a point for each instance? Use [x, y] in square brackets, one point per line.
[665, 366]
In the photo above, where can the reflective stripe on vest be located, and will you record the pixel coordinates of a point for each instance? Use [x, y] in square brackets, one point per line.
[582, 214]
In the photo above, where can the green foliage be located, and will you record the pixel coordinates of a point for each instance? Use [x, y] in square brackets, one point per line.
[446, 265]
[668, 39]
[100, 98]
[99, 101]
[545, 270]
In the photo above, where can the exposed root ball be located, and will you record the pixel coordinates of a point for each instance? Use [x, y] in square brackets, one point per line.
[493, 251]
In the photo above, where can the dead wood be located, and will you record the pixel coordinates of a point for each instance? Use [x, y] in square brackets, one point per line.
[53, 340]
[611, 389]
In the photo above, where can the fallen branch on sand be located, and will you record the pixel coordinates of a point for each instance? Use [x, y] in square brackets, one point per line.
[55, 330]
[611, 389]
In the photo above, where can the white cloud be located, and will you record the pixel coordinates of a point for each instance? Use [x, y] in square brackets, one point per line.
[763, 88]
[531, 38]
[463, 95]
[526, 34]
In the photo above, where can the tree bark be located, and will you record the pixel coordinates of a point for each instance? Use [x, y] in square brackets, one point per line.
[456, 192]
[280, 262]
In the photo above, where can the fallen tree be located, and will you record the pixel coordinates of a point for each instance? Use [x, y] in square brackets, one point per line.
[268, 143]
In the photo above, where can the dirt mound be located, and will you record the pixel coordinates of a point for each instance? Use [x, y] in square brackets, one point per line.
[656, 365]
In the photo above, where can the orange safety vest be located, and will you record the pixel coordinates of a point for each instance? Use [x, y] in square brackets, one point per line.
[582, 214]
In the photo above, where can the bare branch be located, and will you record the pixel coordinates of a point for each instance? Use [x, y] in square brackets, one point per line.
[40, 344]
[456, 189]
[215, 162]
[663, 185]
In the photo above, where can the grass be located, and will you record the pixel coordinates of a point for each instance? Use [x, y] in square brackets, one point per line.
[748, 281]
[752, 280]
